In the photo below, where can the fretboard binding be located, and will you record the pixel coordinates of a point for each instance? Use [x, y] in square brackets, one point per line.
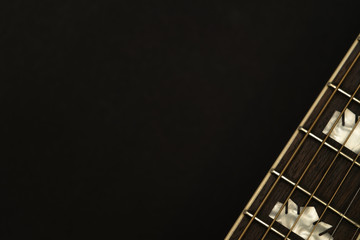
[343, 92]
[317, 199]
[265, 225]
[330, 146]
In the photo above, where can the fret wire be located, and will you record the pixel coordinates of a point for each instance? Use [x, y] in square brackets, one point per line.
[316, 153]
[329, 145]
[347, 209]
[265, 224]
[343, 92]
[331, 164]
[298, 147]
[343, 215]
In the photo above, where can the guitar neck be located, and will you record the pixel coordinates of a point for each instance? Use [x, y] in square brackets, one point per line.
[312, 190]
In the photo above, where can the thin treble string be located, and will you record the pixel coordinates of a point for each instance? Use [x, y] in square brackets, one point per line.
[342, 181]
[347, 209]
[297, 149]
[311, 161]
[354, 234]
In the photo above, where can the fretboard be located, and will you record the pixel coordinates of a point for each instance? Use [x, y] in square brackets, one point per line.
[313, 189]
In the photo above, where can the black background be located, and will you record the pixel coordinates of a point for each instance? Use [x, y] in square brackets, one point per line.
[153, 120]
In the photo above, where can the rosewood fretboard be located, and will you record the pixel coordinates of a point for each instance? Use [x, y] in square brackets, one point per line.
[313, 170]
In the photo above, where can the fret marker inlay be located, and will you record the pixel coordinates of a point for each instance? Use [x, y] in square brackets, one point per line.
[305, 225]
[343, 129]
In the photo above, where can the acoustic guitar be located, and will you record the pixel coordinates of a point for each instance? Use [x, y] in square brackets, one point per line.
[312, 191]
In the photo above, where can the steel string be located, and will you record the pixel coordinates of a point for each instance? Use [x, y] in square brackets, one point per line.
[347, 209]
[355, 233]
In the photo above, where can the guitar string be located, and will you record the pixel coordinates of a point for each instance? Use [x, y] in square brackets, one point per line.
[296, 150]
[316, 153]
[347, 209]
[338, 187]
[355, 233]
[322, 179]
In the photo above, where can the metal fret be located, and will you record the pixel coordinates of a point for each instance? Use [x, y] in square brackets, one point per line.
[343, 92]
[329, 145]
[317, 199]
[265, 224]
